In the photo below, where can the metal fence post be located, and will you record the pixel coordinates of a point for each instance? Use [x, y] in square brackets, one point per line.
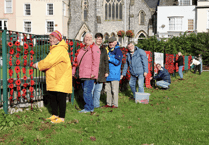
[4, 55]
[73, 95]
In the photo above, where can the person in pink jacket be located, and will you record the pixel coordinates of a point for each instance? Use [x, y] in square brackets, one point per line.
[89, 59]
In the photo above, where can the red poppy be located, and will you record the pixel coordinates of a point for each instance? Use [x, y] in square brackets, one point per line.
[24, 91]
[25, 85]
[17, 55]
[10, 44]
[24, 78]
[32, 52]
[32, 82]
[30, 71]
[31, 64]
[25, 46]
[18, 49]
[71, 58]
[10, 63]
[24, 95]
[10, 80]
[17, 69]
[25, 61]
[24, 70]
[18, 76]
[31, 44]
[11, 86]
[75, 64]
[18, 88]
[67, 41]
[31, 89]
[31, 77]
[77, 44]
[76, 54]
[18, 94]
[71, 53]
[17, 43]
[31, 96]
[75, 59]
[11, 91]
[71, 43]
[10, 98]
[81, 45]
[11, 51]
[78, 50]
[71, 49]
[25, 52]
[24, 64]
[10, 72]
[17, 62]
[18, 82]
[31, 57]
[91, 46]
[25, 57]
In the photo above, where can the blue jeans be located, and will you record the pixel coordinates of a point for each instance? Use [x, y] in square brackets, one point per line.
[96, 91]
[132, 84]
[87, 86]
[180, 71]
[162, 84]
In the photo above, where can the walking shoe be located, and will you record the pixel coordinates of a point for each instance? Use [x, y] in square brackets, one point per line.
[114, 106]
[53, 117]
[106, 106]
[58, 120]
[86, 111]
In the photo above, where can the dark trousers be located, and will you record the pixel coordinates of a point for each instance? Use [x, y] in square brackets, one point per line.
[197, 67]
[58, 99]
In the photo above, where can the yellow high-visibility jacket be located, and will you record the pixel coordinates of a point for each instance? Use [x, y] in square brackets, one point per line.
[58, 68]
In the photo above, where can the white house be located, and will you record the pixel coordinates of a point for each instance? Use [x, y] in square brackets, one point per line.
[202, 15]
[173, 20]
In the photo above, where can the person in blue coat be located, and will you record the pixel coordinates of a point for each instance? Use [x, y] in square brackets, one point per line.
[137, 61]
[112, 81]
[163, 77]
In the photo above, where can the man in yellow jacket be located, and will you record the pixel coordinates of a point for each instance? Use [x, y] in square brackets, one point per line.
[58, 75]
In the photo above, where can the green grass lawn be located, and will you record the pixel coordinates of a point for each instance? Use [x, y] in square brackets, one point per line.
[175, 116]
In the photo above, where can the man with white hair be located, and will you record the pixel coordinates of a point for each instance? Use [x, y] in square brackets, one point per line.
[163, 77]
[137, 61]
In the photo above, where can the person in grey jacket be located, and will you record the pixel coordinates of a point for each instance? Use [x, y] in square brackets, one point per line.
[137, 60]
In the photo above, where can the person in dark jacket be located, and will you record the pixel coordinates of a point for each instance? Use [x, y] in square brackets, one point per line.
[103, 71]
[180, 62]
[163, 77]
[112, 82]
[137, 61]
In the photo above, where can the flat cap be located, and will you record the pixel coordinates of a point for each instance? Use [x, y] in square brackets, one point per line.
[111, 39]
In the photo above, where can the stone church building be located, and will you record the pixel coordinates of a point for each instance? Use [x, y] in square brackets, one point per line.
[110, 16]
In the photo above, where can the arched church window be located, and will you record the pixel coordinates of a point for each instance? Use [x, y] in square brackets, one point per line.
[141, 18]
[113, 9]
[85, 10]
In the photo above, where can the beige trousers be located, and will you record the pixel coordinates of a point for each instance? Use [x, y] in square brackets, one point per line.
[112, 89]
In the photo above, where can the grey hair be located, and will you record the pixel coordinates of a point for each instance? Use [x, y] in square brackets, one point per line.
[180, 53]
[90, 34]
[131, 42]
[158, 64]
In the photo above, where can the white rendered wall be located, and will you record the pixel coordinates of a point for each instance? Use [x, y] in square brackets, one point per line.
[164, 12]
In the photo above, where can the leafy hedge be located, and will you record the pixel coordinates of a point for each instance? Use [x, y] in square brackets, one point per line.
[192, 44]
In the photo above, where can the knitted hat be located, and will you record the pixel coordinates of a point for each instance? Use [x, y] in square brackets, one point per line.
[57, 34]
